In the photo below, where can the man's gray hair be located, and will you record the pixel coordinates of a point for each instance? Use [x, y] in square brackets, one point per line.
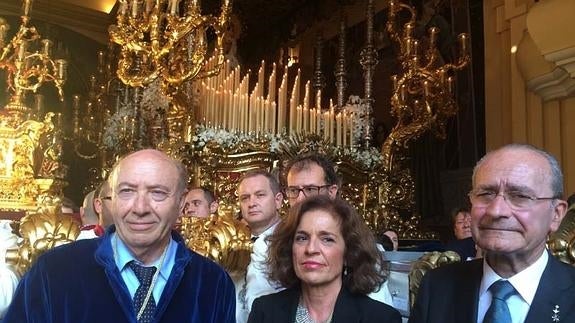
[556, 173]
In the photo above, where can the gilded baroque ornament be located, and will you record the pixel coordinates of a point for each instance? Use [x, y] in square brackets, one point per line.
[422, 101]
[220, 238]
[31, 170]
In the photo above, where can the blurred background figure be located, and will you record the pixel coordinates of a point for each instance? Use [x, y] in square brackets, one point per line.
[8, 278]
[326, 257]
[200, 202]
[394, 239]
[463, 244]
[91, 227]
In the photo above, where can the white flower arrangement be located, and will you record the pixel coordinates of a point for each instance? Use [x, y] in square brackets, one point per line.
[366, 159]
[117, 127]
[360, 114]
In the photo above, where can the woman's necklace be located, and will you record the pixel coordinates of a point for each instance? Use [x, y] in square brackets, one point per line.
[302, 314]
[154, 279]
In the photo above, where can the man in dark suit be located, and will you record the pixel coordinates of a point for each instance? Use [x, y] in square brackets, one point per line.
[516, 203]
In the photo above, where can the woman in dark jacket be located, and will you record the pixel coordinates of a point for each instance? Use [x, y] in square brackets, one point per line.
[326, 257]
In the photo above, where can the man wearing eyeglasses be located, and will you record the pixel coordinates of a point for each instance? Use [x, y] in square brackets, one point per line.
[102, 204]
[516, 203]
[308, 175]
[140, 270]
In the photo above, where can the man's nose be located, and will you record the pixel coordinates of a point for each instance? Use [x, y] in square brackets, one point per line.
[141, 204]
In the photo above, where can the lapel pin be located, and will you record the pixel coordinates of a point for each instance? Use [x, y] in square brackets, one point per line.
[555, 316]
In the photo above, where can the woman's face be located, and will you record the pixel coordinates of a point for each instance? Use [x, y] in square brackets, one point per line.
[318, 249]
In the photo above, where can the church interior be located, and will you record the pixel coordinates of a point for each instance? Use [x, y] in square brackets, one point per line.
[405, 96]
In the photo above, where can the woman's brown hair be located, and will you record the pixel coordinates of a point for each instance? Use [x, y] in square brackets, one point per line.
[363, 261]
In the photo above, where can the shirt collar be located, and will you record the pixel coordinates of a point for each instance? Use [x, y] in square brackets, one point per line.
[522, 281]
[123, 256]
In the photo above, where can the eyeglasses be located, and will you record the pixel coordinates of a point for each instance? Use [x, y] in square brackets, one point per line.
[105, 198]
[515, 200]
[292, 192]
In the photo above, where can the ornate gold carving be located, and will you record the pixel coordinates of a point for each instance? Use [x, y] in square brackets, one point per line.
[166, 39]
[220, 238]
[41, 231]
[562, 242]
[425, 263]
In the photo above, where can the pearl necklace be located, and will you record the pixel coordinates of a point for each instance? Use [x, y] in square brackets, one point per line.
[154, 278]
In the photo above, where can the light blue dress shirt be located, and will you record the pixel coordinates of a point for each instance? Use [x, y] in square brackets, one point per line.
[123, 256]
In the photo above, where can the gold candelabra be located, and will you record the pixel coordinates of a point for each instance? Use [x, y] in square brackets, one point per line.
[166, 39]
[28, 62]
[422, 101]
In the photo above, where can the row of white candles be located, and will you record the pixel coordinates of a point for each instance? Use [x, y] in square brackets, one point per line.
[227, 103]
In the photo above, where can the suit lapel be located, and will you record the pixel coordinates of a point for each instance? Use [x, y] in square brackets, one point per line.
[468, 293]
[346, 310]
[553, 292]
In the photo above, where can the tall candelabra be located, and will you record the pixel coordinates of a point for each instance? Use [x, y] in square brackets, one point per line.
[27, 58]
[422, 97]
[167, 39]
[422, 101]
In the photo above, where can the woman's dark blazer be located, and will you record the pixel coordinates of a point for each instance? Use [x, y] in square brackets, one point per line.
[349, 308]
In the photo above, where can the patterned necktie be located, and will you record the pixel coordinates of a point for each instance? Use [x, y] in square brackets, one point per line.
[145, 276]
[498, 311]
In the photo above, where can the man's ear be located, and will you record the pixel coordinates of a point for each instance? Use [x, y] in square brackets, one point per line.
[98, 205]
[214, 207]
[279, 198]
[332, 191]
[559, 210]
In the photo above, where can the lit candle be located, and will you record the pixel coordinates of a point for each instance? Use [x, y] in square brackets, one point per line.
[39, 101]
[3, 28]
[463, 40]
[27, 4]
[61, 66]
[46, 47]
[433, 32]
[174, 6]
[338, 129]
[134, 8]
[22, 50]
[450, 84]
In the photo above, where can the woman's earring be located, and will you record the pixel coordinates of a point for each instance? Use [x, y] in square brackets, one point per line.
[345, 270]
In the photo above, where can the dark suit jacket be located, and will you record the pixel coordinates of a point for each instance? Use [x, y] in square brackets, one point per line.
[450, 294]
[349, 308]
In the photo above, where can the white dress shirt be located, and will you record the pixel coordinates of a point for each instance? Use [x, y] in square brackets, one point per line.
[524, 285]
[8, 278]
[256, 282]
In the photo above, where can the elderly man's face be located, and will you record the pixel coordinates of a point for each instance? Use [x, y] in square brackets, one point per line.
[146, 202]
[310, 177]
[502, 228]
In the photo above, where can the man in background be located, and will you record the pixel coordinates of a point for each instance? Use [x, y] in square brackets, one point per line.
[260, 200]
[91, 227]
[310, 174]
[200, 202]
[463, 244]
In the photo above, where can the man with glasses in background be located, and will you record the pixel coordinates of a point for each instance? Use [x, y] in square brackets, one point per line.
[310, 174]
[140, 270]
[516, 203]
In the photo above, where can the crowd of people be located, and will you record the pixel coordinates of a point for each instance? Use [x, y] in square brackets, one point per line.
[318, 263]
